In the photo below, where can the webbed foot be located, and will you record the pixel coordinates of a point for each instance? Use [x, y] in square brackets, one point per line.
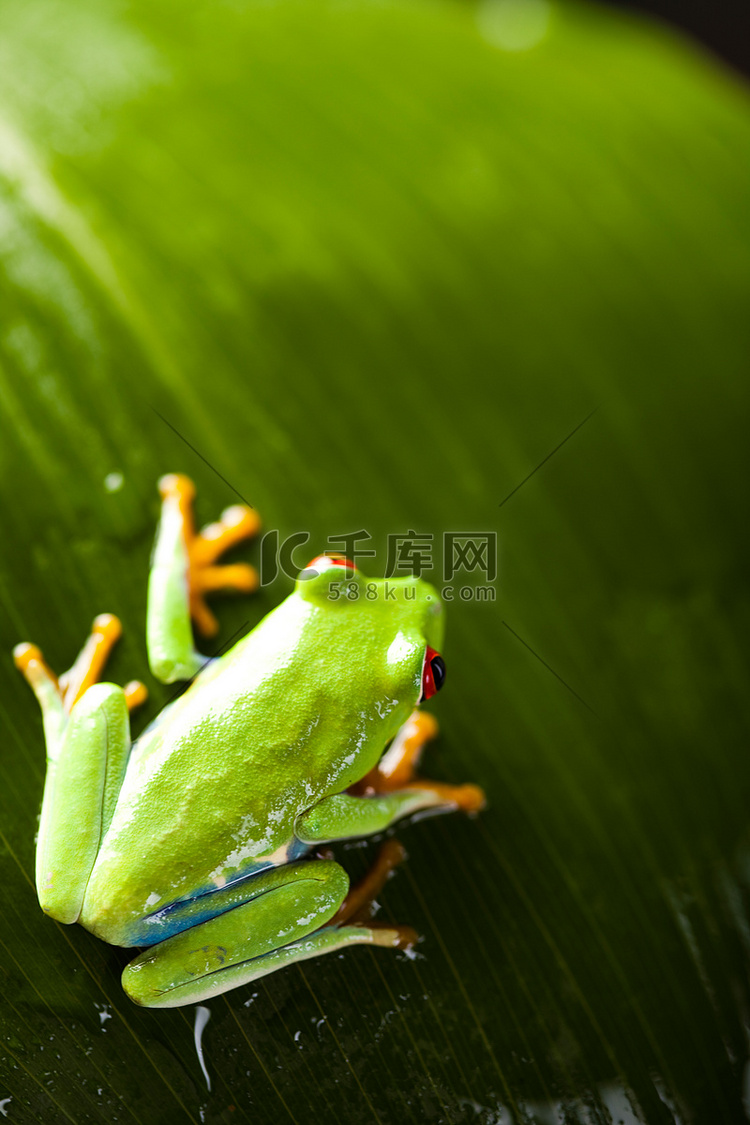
[65, 690]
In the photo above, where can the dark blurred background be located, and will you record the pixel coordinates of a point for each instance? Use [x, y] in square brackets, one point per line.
[723, 27]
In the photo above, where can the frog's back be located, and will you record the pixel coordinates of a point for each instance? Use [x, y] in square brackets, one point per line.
[214, 786]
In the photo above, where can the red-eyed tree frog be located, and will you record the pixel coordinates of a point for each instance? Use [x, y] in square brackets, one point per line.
[200, 841]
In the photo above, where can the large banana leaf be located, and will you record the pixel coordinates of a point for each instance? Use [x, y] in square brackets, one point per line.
[368, 265]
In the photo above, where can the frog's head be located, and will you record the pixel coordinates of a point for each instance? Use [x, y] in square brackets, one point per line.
[383, 635]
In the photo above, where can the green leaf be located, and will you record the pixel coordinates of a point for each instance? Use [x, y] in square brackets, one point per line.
[367, 267]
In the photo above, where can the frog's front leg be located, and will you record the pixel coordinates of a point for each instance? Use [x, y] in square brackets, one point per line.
[87, 735]
[388, 792]
[183, 571]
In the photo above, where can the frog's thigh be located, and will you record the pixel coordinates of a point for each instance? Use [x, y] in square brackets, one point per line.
[227, 950]
[342, 816]
[80, 792]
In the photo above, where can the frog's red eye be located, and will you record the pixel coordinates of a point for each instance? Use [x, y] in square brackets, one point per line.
[433, 674]
[325, 562]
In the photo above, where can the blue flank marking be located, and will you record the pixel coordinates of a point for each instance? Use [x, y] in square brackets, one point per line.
[170, 920]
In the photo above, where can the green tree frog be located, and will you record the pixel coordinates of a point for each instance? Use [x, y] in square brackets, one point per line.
[200, 842]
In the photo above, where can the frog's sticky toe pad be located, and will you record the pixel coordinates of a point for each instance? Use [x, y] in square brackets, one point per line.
[177, 485]
[136, 694]
[393, 937]
[468, 798]
[29, 661]
[24, 654]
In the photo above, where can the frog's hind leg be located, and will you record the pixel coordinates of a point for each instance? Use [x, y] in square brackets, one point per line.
[303, 905]
[184, 571]
[87, 737]
[359, 905]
